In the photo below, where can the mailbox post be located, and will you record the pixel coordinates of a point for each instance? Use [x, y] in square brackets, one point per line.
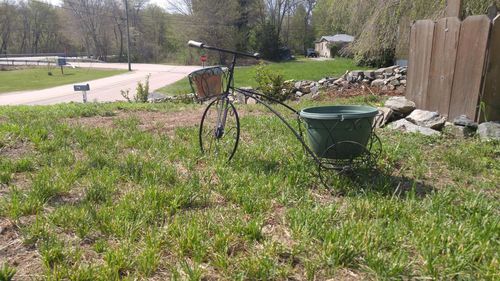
[83, 89]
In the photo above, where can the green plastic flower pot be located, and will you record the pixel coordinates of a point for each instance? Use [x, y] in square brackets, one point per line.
[339, 132]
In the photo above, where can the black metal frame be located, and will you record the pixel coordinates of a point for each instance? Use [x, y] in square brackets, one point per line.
[324, 164]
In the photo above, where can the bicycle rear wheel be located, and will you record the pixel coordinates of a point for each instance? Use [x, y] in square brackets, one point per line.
[220, 129]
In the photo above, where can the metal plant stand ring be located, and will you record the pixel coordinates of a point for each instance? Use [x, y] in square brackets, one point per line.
[339, 138]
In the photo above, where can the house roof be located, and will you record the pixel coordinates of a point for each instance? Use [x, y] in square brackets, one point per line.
[337, 38]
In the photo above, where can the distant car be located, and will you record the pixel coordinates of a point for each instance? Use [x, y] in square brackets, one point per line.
[311, 53]
[285, 54]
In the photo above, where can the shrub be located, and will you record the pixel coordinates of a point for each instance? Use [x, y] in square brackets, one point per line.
[271, 83]
[334, 49]
[142, 91]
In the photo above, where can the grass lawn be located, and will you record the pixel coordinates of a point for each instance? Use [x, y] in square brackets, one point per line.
[301, 69]
[37, 78]
[120, 192]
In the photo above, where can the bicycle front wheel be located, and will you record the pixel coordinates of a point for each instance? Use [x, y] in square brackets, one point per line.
[220, 130]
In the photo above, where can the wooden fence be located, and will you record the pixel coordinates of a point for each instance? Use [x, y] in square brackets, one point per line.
[454, 67]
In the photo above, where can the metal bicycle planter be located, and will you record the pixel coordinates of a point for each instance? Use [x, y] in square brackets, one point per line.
[340, 138]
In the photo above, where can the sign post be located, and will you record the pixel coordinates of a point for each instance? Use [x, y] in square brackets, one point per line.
[83, 89]
[203, 59]
[61, 62]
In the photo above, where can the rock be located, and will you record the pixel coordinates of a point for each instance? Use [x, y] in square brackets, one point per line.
[297, 85]
[389, 71]
[366, 81]
[299, 94]
[314, 89]
[427, 119]
[357, 73]
[378, 83]
[460, 132]
[241, 98]
[403, 82]
[316, 96]
[489, 131]
[380, 121]
[390, 79]
[251, 101]
[406, 126]
[156, 97]
[395, 82]
[464, 121]
[391, 87]
[339, 81]
[322, 81]
[370, 74]
[401, 90]
[305, 90]
[400, 104]
[351, 78]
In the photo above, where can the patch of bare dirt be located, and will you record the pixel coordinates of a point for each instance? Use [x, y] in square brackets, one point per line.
[26, 260]
[16, 151]
[154, 122]
[157, 122]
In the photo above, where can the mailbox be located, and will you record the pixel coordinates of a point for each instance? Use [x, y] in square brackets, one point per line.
[81, 88]
[61, 61]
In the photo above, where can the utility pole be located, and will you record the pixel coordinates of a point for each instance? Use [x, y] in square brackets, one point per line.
[128, 36]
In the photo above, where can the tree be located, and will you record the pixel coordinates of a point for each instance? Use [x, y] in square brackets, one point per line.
[267, 41]
[7, 16]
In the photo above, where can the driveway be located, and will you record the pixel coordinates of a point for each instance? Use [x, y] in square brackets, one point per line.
[105, 89]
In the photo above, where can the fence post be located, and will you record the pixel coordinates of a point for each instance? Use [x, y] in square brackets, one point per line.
[454, 8]
[490, 98]
[421, 42]
[470, 65]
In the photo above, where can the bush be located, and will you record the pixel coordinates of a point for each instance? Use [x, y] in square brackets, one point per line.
[271, 83]
[142, 92]
[334, 49]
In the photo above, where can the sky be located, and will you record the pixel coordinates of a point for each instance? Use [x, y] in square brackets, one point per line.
[161, 3]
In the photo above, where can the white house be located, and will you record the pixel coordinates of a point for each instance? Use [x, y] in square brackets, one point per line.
[323, 45]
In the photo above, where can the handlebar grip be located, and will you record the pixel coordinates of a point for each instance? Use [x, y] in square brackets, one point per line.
[195, 44]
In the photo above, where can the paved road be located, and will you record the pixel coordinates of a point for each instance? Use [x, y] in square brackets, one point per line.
[102, 90]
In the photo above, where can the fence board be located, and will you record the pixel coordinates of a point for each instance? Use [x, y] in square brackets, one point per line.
[469, 67]
[491, 96]
[422, 33]
[442, 69]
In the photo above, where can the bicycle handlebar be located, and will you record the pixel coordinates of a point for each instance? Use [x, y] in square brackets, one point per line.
[195, 44]
[200, 45]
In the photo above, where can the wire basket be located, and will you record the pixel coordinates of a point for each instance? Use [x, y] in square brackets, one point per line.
[208, 82]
